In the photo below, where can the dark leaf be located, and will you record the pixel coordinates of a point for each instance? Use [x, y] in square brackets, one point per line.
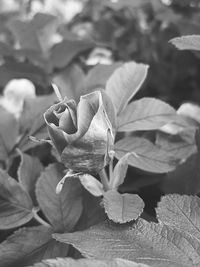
[28, 173]
[12, 69]
[63, 210]
[15, 203]
[9, 130]
[30, 245]
[63, 53]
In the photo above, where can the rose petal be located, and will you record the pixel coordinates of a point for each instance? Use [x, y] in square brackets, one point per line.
[57, 136]
[90, 153]
[66, 123]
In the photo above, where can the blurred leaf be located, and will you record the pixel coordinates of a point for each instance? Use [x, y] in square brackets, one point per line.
[124, 83]
[188, 42]
[12, 69]
[63, 210]
[28, 173]
[6, 49]
[9, 130]
[182, 213]
[150, 243]
[122, 208]
[145, 114]
[176, 145]
[185, 178]
[67, 262]
[91, 184]
[63, 53]
[30, 245]
[70, 82]
[145, 155]
[15, 204]
[32, 120]
[120, 4]
[98, 76]
[35, 34]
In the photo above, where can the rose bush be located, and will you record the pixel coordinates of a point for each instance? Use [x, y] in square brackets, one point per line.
[83, 134]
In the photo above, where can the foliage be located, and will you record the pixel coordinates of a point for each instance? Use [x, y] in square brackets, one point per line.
[94, 163]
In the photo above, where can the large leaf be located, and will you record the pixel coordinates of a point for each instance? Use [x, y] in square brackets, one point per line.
[187, 42]
[124, 83]
[122, 208]
[8, 133]
[181, 212]
[28, 173]
[145, 155]
[145, 114]
[63, 210]
[67, 262]
[151, 243]
[63, 53]
[15, 204]
[30, 245]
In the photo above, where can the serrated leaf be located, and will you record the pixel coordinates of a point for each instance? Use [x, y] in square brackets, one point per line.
[145, 155]
[63, 210]
[181, 212]
[145, 114]
[124, 83]
[9, 129]
[63, 53]
[30, 245]
[15, 204]
[67, 262]
[91, 184]
[150, 243]
[122, 208]
[187, 42]
[28, 173]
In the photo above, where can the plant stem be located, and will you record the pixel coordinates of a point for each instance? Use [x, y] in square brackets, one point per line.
[104, 179]
[39, 219]
[111, 174]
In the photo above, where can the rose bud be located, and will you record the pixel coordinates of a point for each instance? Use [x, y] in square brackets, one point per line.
[83, 134]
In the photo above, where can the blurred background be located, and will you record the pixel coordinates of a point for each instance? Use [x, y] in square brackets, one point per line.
[40, 39]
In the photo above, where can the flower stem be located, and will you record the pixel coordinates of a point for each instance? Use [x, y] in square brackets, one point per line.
[104, 179]
[39, 219]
